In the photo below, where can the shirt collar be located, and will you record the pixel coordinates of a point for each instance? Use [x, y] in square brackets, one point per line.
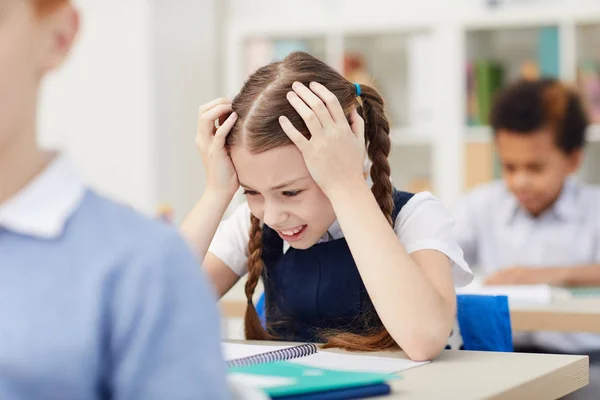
[42, 208]
[564, 208]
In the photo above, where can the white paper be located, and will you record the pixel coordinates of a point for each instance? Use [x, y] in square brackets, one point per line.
[327, 360]
[357, 363]
[517, 294]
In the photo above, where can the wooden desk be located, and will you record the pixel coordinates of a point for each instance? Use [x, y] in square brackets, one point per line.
[579, 314]
[477, 375]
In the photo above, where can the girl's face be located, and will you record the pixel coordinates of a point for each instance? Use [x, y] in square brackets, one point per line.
[282, 194]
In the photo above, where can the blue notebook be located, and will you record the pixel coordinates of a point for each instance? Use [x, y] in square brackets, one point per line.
[343, 394]
[286, 381]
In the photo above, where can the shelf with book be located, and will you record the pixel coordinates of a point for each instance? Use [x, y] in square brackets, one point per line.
[503, 43]
[495, 57]
[588, 67]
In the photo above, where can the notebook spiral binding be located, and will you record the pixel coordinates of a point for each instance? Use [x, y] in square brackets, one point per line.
[277, 355]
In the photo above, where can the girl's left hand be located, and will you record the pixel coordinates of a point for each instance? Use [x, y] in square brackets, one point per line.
[335, 153]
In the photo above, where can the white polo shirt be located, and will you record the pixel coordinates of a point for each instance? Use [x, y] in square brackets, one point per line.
[424, 223]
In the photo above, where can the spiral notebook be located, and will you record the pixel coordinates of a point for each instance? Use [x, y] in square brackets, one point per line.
[238, 355]
[302, 372]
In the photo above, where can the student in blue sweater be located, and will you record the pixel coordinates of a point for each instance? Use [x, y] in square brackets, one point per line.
[96, 302]
[344, 259]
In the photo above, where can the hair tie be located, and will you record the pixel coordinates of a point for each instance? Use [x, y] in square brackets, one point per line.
[358, 91]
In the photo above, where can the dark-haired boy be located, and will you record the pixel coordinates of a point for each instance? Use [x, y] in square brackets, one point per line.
[538, 225]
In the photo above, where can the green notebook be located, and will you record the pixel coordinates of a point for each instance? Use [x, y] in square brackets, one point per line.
[285, 380]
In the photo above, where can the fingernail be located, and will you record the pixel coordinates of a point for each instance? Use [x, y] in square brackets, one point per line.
[290, 94]
[314, 83]
[296, 85]
[234, 115]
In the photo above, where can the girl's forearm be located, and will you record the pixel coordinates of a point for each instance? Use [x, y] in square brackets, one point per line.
[201, 224]
[417, 316]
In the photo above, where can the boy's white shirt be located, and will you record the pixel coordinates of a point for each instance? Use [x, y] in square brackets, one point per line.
[495, 233]
[42, 208]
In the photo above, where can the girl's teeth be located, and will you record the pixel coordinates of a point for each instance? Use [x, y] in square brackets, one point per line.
[292, 232]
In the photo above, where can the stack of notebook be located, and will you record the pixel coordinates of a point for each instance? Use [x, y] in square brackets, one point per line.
[302, 372]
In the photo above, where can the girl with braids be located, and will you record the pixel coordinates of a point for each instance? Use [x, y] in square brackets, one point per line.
[344, 260]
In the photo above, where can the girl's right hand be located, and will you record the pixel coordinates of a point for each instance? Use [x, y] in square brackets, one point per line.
[210, 141]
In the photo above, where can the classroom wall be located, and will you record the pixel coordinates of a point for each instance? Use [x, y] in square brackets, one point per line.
[187, 58]
[125, 105]
[97, 107]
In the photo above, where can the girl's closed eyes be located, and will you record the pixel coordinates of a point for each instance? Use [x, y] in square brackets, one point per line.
[286, 193]
[291, 193]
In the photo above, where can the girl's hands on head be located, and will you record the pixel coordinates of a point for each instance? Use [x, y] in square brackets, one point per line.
[210, 141]
[335, 153]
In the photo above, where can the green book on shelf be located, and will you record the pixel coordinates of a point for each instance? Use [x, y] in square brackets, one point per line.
[286, 380]
[489, 77]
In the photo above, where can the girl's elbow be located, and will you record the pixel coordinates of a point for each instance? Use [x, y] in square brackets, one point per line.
[424, 351]
[424, 346]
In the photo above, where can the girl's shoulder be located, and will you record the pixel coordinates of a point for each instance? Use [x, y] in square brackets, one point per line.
[406, 203]
[420, 212]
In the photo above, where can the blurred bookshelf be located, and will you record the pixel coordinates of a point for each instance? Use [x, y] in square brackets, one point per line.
[438, 67]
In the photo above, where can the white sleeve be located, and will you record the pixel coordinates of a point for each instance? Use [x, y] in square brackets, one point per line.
[230, 243]
[424, 223]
